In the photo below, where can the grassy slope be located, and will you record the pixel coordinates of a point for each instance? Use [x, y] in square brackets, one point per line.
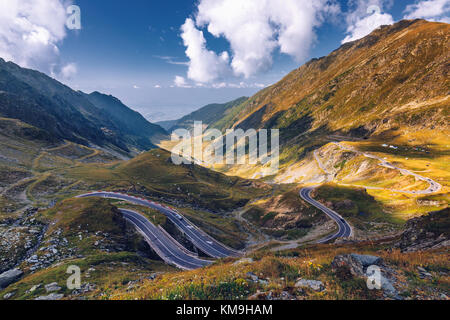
[224, 280]
[97, 119]
[59, 171]
[369, 217]
[390, 87]
[427, 159]
[29, 158]
[152, 173]
[284, 215]
[91, 218]
[379, 67]
[209, 115]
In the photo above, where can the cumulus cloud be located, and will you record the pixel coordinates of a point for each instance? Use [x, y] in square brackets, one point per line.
[366, 17]
[69, 71]
[433, 10]
[180, 82]
[254, 29]
[30, 32]
[204, 65]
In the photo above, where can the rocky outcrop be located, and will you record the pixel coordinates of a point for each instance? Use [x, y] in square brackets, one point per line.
[9, 277]
[312, 284]
[427, 232]
[19, 238]
[373, 269]
[51, 297]
[273, 295]
[52, 287]
[355, 264]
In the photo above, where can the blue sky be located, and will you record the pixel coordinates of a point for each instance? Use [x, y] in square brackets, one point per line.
[136, 50]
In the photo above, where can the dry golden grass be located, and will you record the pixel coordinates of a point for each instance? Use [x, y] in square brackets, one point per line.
[226, 280]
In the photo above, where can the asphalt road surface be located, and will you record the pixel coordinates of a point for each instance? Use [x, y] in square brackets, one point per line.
[167, 248]
[345, 230]
[199, 238]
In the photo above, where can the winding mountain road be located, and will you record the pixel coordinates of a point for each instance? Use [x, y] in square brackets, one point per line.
[433, 185]
[198, 237]
[345, 230]
[166, 247]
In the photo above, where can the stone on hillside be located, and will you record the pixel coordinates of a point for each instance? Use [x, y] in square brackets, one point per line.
[9, 295]
[421, 269]
[356, 264]
[52, 287]
[312, 284]
[242, 261]
[35, 287]
[388, 288]
[53, 296]
[9, 277]
[252, 276]
[367, 260]
[419, 235]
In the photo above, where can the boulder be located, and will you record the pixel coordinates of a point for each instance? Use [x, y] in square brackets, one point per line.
[388, 288]
[35, 287]
[9, 295]
[243, 261]
[356, 264]
[252, 276]
[52, 296]
[9, 277]
[52, 287]
[312, 284]
[367, 260]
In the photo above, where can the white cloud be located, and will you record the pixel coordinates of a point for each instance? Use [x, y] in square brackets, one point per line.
[254, 30]
[240, 85]
[433, 10]
[180, 82]
[204, 65]
[172, 60]
[30, 32]
[157, 86]
[136, 87]
[69, 71]
[366, 17]
[219, 85]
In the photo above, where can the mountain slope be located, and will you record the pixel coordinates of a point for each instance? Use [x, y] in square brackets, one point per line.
[391, 87]
[209, 115]
[43, 102]
[131, 123]
[394, 78]
[167, 125]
